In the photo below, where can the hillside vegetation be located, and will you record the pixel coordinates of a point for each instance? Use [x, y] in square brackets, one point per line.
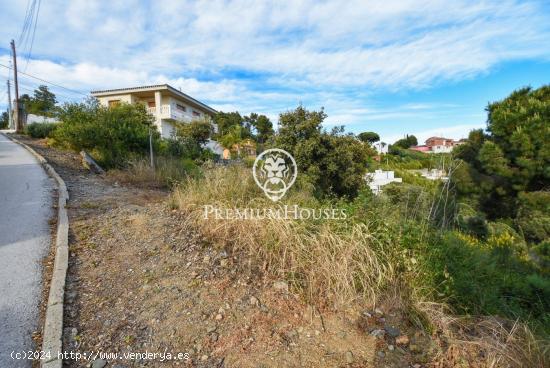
[467, 259]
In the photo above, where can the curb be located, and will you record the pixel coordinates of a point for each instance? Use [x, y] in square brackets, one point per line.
[52, 345]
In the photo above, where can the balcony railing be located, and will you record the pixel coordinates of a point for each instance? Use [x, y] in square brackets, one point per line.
[167, 112]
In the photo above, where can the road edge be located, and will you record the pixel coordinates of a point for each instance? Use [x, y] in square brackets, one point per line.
[52, 335]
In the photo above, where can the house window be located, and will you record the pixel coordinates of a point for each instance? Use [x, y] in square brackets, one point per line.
[151, 103]
[113, 103]
[181, 107]
[196, 113]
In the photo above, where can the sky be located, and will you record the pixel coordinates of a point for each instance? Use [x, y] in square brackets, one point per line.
[395, 67]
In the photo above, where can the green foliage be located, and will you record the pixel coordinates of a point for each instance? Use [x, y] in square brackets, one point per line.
[184, 148]
[491, 277]
[474, 225]
[514, 157]
[262, 125]
[198, 131]
[407, 142]
[533, 216]
[227, 121]
[111, 135]
[4, 120]
[41, 130]
[41, 103]
[234, 135]
[234, 128]
[368, 137]
[189, 139]
[333, 162]
[541, 256]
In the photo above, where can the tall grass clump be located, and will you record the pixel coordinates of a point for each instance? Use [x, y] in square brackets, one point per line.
[326, 260]
[167, 172]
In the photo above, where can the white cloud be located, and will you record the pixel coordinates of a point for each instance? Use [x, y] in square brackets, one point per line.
[331, 53]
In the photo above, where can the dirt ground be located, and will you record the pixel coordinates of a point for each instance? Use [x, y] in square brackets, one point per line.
[142, 281]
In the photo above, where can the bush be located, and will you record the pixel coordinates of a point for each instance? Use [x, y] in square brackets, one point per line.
[490, 277]
[333, 161]
[113, 136]
[474, 225]
[41, 130]
[534, 215]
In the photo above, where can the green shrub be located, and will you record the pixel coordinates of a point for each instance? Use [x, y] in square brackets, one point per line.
[474, 225]
[335, 162]
[540, 254]
[534, 215]
[113, 136]
[41, 130]
[489, 277]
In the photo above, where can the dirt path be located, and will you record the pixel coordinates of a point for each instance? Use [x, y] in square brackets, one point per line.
[141, 279]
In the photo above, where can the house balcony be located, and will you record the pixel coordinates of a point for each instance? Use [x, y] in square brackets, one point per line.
[169, 113]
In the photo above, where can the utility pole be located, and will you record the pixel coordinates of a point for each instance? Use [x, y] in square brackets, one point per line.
[18, 118]
[10, 118]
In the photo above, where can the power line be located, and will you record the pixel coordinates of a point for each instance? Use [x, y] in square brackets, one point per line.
[25, 22]
[45, 81]
[33, 34]
[31, 88]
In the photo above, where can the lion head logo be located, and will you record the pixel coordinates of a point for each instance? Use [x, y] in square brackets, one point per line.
[275, 171]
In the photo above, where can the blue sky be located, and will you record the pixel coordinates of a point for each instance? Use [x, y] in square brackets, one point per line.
[394, 67]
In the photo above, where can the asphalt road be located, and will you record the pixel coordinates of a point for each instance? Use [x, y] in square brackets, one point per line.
[25, 208]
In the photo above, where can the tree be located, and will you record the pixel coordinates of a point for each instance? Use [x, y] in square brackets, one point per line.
[514, 157]
[233, 137]
[335, 163]
[42, 103]
[262, 125]
[198, 131]
[26, 101]
[4, 120]
[368, 137]
[407, 142]
[226, 120]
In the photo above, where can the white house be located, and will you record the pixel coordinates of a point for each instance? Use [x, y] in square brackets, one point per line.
[164, 102]
[379, 178]
[434, 174]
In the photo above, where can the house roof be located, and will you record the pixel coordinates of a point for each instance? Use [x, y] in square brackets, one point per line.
[153, 88]
[448, 139]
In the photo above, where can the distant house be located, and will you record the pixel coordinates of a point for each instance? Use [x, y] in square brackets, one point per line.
[379, 178]
[437, 145]
[420, 148]
[164, 102]
[434, 174]
[246, 148]
[440, 144]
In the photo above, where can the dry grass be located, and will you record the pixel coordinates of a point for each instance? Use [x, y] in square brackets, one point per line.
[325, 261]
[336, 263]
[485, 342]
[167, 172]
